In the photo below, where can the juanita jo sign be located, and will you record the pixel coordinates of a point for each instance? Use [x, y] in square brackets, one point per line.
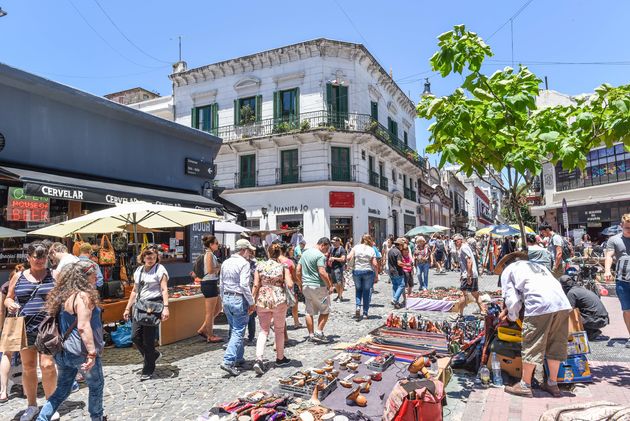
[289, 209]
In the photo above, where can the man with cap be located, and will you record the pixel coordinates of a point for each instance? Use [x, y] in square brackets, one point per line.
[396, 273]
[238, 302]
[469, 275]
[531, 286]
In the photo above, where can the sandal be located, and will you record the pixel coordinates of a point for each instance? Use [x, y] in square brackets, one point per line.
[214, 339]
[203, 335]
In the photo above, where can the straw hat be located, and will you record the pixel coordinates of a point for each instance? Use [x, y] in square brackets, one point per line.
[509, 259]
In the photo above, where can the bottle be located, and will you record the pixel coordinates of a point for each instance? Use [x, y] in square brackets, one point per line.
[484, 376]
[497, 379]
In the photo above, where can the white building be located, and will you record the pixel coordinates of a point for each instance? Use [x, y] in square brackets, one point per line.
[315, 135]
[596, 197]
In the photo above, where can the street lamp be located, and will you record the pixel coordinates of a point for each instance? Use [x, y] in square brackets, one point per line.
[2, 12]
[264, 212]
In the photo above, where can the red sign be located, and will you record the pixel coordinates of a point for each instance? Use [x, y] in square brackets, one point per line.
[341, 199]
[23, 207]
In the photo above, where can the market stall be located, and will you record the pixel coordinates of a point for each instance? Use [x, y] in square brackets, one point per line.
[443, 299]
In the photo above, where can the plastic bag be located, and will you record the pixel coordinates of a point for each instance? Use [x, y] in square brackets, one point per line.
[122, 335]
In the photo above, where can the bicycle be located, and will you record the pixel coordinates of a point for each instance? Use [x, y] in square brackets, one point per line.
[585, 272]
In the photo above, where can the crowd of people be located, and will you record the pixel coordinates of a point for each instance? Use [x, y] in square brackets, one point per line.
[266, 285]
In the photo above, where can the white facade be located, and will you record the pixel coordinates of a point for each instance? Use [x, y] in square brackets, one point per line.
[250, 162]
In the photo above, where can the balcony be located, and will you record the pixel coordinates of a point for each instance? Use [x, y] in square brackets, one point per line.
[319, 120]
[384, 183]
[244, 180]
[410, 194]
[288, 175]
[374, 179]
[341, 172]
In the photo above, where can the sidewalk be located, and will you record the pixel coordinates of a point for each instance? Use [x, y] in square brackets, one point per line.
[610, 367]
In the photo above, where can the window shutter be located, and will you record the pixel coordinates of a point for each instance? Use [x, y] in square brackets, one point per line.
[276, 105]
[193, 118]
[343, 99]
[258, 107]
[329, 97]
[297, 104]
[237, 113]
[374, 110]
[214, 124]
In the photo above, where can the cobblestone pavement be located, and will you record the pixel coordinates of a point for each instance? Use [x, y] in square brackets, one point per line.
[188, 380]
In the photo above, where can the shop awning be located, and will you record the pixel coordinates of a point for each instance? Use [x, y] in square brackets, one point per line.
[232, 208]
[69, 188]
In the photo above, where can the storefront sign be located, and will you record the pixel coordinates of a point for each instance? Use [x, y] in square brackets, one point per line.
[593, 215]
[339, 199]
[410, 212]
[199, 168]
[374, 211]
[289, 209]
[28, 208]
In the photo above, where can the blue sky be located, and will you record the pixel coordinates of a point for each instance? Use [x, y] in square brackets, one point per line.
[74, 42]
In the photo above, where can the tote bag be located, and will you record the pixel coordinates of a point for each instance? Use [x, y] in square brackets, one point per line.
[13, 335]
[106, 254]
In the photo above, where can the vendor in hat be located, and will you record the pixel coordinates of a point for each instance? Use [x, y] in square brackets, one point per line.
[545, 324]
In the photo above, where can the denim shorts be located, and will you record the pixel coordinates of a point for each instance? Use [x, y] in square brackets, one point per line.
[623, 292]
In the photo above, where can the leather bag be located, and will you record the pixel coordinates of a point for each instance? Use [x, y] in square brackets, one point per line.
[78, 242]
[106, 254]
[123, 271]
[49, 340]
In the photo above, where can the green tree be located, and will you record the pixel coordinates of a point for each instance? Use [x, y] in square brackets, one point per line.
[492, 127]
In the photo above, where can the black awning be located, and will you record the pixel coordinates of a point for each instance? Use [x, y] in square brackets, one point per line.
[232, 208]
[69, 188]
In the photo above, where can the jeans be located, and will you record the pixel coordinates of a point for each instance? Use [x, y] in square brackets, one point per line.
[363, 283]
[67, 367]
[143, 337]
[278, 315]
[235, 308]
[423, 275]
[398, 287]
[447, 263]
[251, 328]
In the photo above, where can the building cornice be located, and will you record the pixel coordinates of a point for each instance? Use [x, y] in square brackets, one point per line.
[315, 48]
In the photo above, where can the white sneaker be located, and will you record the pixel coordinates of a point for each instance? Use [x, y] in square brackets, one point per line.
[628, 343]
[55, 416]
[30, 413]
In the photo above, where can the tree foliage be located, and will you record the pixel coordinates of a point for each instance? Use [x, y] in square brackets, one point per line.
[492, 127]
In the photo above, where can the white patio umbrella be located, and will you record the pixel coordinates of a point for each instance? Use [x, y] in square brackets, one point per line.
[10, 233]
[129, 215]
[439, 228]
[227, 227]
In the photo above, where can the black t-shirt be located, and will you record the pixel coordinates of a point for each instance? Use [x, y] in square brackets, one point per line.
[336, 253]
[587, 302]
[393, 257]
[439, 246]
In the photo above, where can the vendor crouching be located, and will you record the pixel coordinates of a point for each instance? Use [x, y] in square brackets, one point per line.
[545, 324]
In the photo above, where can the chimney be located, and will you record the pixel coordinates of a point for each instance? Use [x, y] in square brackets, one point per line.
[391, 72]
[179, 67]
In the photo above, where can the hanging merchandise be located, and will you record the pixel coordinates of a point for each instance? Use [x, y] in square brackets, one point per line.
[145, 242]
[120, 243]
[123, 270]
[78, 242]
[106, 254]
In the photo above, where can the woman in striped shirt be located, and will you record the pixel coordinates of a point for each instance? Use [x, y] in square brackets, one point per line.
[27, 294]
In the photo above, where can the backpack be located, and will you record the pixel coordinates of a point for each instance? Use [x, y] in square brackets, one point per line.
[49, 340]
[198, 266]
[567, 249]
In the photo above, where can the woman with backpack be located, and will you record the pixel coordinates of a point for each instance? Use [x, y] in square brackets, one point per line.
[26, 297]
[210, 288]
[74, 299]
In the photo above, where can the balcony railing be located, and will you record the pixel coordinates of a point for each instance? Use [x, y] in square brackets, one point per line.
[409, 194]
[243, 180]
[384, 183]
[319, 120]
[374, 179]
[341, 172]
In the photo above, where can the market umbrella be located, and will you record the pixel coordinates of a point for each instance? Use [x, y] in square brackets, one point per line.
[504, 230]
[439, 228]
[613, 230]
[421, 230]
[528, 230]
[228, 227]
[485, 230]
[130, 215]
[9, 233]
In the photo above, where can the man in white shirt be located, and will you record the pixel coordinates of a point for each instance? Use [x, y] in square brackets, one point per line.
[59, 256]
[238, 303]
[531, 286]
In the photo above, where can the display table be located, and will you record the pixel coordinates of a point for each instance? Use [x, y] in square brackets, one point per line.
[186, 315]
[113, 310]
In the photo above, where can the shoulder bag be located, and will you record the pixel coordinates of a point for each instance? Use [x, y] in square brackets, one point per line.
[49, 340]
[106, 254]
[147, 312]
[78, 242]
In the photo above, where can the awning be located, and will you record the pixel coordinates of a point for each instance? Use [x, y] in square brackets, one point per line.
[68, 188]
[232, 208]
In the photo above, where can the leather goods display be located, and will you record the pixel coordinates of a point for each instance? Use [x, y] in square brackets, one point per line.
[78, 242]
[106, 254]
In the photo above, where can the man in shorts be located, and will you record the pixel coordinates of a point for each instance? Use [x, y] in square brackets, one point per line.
[469, 275]
[336, 265]
[619, 247]
[531, 286]
[316, 287]
[555, 246]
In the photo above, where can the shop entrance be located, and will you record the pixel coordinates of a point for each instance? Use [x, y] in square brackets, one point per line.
[341, 227]
[377, 228]
[289, 222]
[409, 222]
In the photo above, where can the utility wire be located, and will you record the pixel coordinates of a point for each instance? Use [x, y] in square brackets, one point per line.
[126, 37]
[105, 40]
[511, 18]
[564, 63]
[102, 77]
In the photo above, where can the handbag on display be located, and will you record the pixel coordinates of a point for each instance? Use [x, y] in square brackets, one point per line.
[113, 289]
[120, 243]
[123, 270]
[106, 254]
[78, 242]
[147, 312]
